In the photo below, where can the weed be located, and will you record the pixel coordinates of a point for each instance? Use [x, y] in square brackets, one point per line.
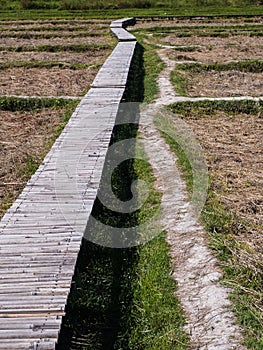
[45, 64]
[155, 319]
[58, 48]
[28, 168]
[28, 104]
[179, 82]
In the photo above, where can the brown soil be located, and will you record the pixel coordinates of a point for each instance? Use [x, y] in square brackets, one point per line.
[224, 84]
[46, 82]
[23, 135]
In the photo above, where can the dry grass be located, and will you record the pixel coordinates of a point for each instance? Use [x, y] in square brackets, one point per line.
[220, 49]
[233, 148]
[57, 25]
[224, 84]
[94, 57]
[56, 22]
[24, 136]
[46, 82]
[211, 49]
[23, 139]
[217, 49]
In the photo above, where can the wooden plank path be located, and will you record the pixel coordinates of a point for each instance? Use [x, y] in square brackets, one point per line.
[41, 234]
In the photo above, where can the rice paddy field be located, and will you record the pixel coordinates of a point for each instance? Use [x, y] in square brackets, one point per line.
[48, 62]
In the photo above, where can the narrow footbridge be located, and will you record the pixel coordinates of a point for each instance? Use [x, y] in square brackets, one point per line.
[41, 234]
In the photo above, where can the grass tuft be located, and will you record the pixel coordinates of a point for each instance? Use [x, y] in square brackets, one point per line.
[179, 82]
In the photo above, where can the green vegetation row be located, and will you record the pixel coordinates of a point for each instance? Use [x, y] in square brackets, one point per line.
[153, 65]
[220, 34]
[46, 64]
[251, 66]
[124, 298]
[181, 82]
[223, 28]
[57, 48]
[27, 104]
[245, 278]
[118, 4]
[25, 170]
[30, 35]
[213, 34]
[14, 10]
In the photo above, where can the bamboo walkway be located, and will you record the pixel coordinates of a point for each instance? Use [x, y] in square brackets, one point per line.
[41, 234]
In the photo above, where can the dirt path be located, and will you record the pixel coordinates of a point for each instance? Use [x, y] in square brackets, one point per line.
[210, 322]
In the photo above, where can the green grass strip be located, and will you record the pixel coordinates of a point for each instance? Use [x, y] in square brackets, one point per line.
[157, 317]
[15, 11]
[27, 104]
